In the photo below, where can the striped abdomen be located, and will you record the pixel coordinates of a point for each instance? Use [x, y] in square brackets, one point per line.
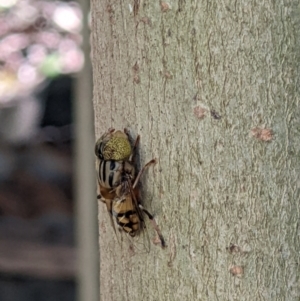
[127, 215]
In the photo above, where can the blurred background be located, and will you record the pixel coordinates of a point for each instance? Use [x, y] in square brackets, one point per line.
[48, 236]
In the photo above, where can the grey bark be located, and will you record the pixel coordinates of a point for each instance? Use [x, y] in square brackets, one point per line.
[197, 80]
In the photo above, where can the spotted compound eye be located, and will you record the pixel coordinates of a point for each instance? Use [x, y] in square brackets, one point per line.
[117, 148]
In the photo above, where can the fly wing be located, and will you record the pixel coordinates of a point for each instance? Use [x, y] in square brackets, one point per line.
[108, 204]
[140, 211]
[109, 209]
[129, 218]
[142, 243]
[135, 201]
[125, 210]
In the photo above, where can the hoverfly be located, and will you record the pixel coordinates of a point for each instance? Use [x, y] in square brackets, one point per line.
[118, 185]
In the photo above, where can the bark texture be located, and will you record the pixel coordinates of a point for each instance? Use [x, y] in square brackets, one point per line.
[212, 87]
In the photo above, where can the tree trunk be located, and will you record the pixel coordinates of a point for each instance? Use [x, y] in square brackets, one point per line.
[212, 87]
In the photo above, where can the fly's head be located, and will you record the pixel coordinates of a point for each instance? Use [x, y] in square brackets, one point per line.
[113, 145]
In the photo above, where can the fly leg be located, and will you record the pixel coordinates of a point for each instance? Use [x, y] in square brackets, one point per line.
[135, 145]
[153, 161]
[155, 226]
